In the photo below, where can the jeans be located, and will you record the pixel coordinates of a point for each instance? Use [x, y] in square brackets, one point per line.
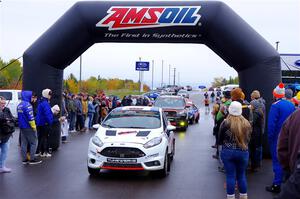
[28, 137]
[3, 154]
[72, 121]
[91, 116]
[235, 164]
[278, 173]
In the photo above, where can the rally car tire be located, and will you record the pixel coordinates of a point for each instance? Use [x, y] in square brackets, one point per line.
[185, 128]
[93, 172]
[191, 121]
[165, 171]
[173, 151]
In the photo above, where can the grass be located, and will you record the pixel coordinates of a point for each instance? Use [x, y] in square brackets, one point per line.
[122, 93]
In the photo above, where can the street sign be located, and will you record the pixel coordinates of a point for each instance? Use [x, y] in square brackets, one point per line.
[142, 66]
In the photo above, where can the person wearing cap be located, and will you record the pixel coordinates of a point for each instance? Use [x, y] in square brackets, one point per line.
[235, 133]
[255, 95]
[280, 110]
[238, 95]
[296, 99]
[255, 145]
[44, 120]
[28, 131]
[289, 95]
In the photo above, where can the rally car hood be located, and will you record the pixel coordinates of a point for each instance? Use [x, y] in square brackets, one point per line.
[173, 109]
[127, 135]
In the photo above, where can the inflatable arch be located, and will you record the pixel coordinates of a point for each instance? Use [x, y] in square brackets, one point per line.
[211, 23]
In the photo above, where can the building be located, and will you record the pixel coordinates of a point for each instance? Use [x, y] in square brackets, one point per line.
[290, 67]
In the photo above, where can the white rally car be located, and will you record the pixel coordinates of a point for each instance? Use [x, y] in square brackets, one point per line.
[133, 138]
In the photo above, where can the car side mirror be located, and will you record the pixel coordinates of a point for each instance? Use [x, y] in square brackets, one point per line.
[171, 128]
[96, 126]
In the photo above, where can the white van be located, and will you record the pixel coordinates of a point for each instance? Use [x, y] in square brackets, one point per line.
[13, 98]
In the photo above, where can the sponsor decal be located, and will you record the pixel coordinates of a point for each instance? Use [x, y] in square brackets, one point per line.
[126, 132]
[122, 18]
[121, 161]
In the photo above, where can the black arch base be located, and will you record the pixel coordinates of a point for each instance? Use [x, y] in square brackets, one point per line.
[211, 23]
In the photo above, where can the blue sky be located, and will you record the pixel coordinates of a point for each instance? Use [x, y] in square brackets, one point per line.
[23, 21]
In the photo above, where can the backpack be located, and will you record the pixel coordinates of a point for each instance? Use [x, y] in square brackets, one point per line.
[7, 125]
[7, 128]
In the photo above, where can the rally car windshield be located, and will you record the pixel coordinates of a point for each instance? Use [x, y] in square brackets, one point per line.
[177, 103]
[133, 119]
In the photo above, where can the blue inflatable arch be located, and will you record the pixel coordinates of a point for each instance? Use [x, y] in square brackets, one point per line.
[211, 23]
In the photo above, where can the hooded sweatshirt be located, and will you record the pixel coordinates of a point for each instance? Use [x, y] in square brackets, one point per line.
[44, 114]
[25, 112]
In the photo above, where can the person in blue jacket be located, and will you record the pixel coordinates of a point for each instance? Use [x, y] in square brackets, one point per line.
[27, 128]
[280, 110]
[44, 120]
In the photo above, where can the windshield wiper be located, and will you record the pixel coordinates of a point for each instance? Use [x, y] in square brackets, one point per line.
[109, 126]
[134, 127]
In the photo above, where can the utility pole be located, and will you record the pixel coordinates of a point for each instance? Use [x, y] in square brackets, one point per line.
[80, 71]
[174, 77]
[277, 45]
[169, 74]
[162, 73]
[141, 78]
[152, 74]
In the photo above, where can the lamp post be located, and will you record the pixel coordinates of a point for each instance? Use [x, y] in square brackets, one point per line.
[152, 74]
[174, 81]
[277, 45]
[80, 71]
[169, 74]
[162, 73]
[141, 74]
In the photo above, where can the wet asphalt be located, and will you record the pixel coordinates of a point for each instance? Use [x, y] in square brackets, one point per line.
[194, 173]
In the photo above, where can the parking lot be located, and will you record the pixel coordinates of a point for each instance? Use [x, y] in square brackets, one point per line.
[194, 172]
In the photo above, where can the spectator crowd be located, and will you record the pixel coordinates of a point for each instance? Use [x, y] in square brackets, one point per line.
[238, 129]
[239, 132]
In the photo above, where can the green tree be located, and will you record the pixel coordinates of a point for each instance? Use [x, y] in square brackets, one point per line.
[11, 74]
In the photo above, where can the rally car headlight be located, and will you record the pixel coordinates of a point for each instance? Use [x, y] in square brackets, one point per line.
[96, 141]
[153, 142]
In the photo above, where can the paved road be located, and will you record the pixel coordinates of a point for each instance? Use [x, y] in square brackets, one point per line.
[194, 173]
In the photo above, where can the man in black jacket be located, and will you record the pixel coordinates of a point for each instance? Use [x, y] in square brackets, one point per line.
[291, 189]
[6, 129]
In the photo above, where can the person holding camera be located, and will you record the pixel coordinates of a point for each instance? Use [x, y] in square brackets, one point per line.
[7, 127]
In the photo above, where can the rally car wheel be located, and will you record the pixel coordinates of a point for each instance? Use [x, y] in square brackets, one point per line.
[165, 171]
[93, 172]
[185, 128]
[173, 151]
[191, 121]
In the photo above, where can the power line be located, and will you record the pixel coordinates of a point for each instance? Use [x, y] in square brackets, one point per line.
[10, 63]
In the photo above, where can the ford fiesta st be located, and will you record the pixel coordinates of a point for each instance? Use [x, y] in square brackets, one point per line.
[133, 138]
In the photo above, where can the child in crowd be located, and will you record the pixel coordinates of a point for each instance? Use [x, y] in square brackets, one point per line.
[64, 128]
[206, 103]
